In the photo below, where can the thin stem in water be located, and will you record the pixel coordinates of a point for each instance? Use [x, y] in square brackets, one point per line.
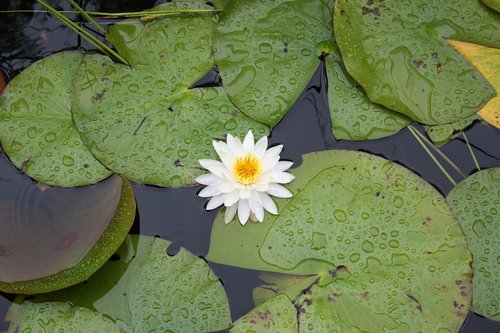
[471, 151]
[87, 16]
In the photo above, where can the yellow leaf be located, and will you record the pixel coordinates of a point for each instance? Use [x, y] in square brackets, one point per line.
[487, 62]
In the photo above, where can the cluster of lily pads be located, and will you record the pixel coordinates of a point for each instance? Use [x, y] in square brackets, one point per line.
[361, 235]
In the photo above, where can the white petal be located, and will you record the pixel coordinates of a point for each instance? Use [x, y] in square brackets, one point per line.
[262, 187]
[245, 193]
[234, 145]
[269, 162]
[209, 191]
[225, 154]
[215, 167]
[279, 191]
[260, 147]
[209, 179]
[215, 202]
[283, 165]
[268, 203]
[231, 198]
[248, 142]
[230, 212]
[243, 211]
[257, 209]
[276, 150]
[281, 177]
[226, 187]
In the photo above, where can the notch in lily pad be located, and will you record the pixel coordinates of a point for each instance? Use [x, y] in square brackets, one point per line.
[59, 237]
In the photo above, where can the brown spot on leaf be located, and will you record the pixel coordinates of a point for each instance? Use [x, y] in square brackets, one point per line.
[339, 269]
[98, 96]
[418, 63]
[177, 163]
[375, 11]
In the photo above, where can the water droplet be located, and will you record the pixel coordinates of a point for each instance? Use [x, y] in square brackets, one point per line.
[68, 160]
[367, 246]
[340, 215]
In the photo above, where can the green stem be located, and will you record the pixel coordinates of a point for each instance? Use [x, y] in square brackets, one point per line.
[443, 170]
[87, 16]
[471, 151]
[84, 33]
[443, 155]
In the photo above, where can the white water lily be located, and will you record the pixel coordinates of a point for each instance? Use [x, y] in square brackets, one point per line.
[243, 182]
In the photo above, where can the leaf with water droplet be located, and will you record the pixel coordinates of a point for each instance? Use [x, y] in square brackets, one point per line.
[353, 115]
[476, 204]
[266, 52]
[145, 138]
[397, 51]
[36, 128]
[57, 317]
[70, 233]
[373, 218]
[148, 290]
[441, 134]
[487, 61]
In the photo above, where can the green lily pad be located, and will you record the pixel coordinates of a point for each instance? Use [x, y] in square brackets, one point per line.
[369, 215]
[172, 47]
[57, 317]
[144, 289]
[143, 132]
[48, 247]
[476, 204]
[266, 52]
[441, 134]
[493, 4]
[398, 53]
[277, 315]
[36, 128]
[353, 115]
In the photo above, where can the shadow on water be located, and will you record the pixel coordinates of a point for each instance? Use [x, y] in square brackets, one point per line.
[178, 214]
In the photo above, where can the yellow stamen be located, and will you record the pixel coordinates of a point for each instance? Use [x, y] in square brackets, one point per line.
[247, 169]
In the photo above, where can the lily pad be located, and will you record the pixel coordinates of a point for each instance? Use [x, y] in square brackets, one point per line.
[487, 61]
[476, 204]
[266, 52]
[143, 132]
[353, 115]
[57, 317]
[36, 128]
[441, 134]
[370, 216]
[145, 289]
[397, 51]
[493, 4]
[62, 236]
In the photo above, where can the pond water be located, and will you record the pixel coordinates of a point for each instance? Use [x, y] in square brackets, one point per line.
[178, 214]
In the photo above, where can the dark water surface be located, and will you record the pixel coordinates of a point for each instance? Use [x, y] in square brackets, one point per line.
[178, 214]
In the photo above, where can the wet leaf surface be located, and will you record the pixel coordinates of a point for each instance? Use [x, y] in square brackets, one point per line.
[370, 216]
[353, 115]
[266, 52]
[56, 238]
[487, 61]
[57, 317]
[493, 4]
[145, 289]
[36, 128]
[441, 134]
[476, 204]
[397, 51]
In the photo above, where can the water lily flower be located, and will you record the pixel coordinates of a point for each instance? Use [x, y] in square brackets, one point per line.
[244, 179]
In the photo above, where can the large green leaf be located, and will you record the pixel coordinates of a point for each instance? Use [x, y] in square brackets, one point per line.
[493, 4]
[60, 237]
[57, 317]
[146, 290]
[353, 115]
[476, 204]
[36, 128]
[397, 51]
[137, 127]
[369, 215]
[266, 52]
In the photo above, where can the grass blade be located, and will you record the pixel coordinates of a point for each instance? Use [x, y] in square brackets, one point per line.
[87, 16]
[471, 151]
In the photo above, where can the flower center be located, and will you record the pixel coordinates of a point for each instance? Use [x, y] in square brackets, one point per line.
[247, 169]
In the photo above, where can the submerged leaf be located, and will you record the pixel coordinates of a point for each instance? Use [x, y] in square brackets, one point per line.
[36, 128]
[476, 204]
[147, 290]
[266, 52]
[398, 53]
[57, 317]
[370, 217]
[60, 237]
[487, 62]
